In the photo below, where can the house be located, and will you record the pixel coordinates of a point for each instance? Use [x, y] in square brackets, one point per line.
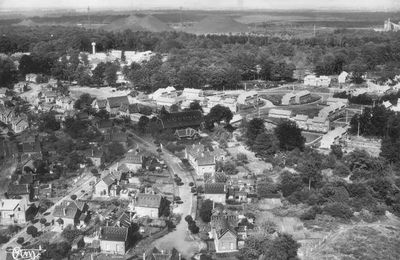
[113, 240]
[19, 125]
[12, 211]
[225, 101]
[50, 97]
[332, 111]
[201, 160]
[99, 104]
[332, 100]
[147, 205]
[64, 104]
[387, 104]
[342, 78]
[280, 113]
[133, 161]
[95, 155]
[114, 103]
[215, 192]
[332, 137]
[3, 92]
[31, 77]
[248, 98]
[20, 87]
[70, 212]
[318, 124]
[223, 232]
[20, 191]
[193, 94]
[301, 96]
[301, 121]
[187, 133]
[104, 125]
[288, 99]
[117, 136]
[31, 149]
[103, 186]
[179, 120]
[314, 81]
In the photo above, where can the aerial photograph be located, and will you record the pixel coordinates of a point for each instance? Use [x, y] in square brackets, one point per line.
[200, 130]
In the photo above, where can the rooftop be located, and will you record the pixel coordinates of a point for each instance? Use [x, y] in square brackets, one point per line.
[214, 188]
[148, 200]
[114, 234]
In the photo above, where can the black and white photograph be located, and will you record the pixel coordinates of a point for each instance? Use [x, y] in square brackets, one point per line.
[199, 130]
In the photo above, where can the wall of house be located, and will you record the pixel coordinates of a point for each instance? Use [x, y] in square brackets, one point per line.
[101, 189]
[112, 247]
[220, 198]
[144, 211]
[12, 217]
[227, 243]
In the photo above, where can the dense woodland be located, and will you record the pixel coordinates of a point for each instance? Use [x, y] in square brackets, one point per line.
[194, 61]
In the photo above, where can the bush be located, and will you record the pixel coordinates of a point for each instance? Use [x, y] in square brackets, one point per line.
[206, 210]
[338, 210]
[20, 240]
[73, 197]
[32, 230]
[311, 213]
[4, 239]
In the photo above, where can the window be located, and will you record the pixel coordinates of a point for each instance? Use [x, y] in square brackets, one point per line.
[232, 246]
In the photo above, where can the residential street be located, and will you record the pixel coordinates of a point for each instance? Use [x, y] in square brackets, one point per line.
[179, 238]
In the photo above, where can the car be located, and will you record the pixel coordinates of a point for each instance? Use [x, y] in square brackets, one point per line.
[193, 190]
[176, 198]
[180, 183]
[179, 202]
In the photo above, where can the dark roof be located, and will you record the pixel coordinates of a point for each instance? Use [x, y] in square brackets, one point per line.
[184, 119]
[26, 179]
[115, 102]
[18, 189]
[101, 103]
[103, 124]
[224, 223]
[82, 116]
[148, 200]
[31, 147]
[114, 233]
[125, 220]
[65, 211]
[93, 153]
[214, 188]
[118, 136]
[133, 158]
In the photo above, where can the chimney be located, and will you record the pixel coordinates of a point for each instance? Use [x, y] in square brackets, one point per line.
[93, 48]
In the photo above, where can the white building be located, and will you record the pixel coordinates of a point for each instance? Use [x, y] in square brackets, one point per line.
[12, 211]
[288, 99]
[280, 113]
[342, 78]
[332, 110]
[332, 100]
[147, 205]
[193, 94]
[314, 81]
[248, 98]
[212, 101]
[332, 137]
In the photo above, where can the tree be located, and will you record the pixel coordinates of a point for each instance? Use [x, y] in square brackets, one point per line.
[110, 73]
[217, 114]
[283, 247]
[310, 169]
[84, 101]
[195, 105]
[336, 150]
[206, 210]
[32, 230]
[255, 246]
[254, 128]
[73, 197]
[289, 136]
[20, 240]
[8, 72]
[266, 144]
[98, 75]
[43, 221]
[290, 183]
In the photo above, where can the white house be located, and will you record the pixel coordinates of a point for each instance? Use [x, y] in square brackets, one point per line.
[193, 94]
[12, 211]
[133, 161]
[280, 113]
[147, 205]
[343, 77]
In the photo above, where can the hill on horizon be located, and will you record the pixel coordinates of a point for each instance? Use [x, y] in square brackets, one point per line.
[136, 23]
[218, 24]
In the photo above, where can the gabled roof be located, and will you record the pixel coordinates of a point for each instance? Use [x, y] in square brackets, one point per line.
[31, 147]
[103, 124]
[65, 211]
[187, 132]
[148, 200]
[133, 158]
[214, 188]
[101, 103]
[114, 234]
[26, 179]
[205, 159]
[184, 119]
[115, 102]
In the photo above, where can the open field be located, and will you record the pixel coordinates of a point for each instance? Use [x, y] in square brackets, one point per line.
[101, 93]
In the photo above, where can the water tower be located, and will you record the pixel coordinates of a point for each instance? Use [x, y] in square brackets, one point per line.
[93, 48]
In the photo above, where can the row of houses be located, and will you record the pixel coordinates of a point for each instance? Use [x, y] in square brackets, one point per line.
[314, 81]
[295, 98]
[316, 124]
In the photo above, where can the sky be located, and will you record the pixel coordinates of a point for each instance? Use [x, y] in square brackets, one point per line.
[371, 5]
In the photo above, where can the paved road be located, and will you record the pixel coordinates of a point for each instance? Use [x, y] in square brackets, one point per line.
[178, 238]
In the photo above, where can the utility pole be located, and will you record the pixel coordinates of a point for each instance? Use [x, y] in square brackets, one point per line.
[88, 15]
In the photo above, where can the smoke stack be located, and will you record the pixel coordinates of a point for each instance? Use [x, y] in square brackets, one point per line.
[93, 48]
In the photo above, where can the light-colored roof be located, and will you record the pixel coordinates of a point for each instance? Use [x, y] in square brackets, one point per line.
[9, 204]
[300, 117]
[329, 138]
[148, 200]
[242, 98]
[280, 112]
